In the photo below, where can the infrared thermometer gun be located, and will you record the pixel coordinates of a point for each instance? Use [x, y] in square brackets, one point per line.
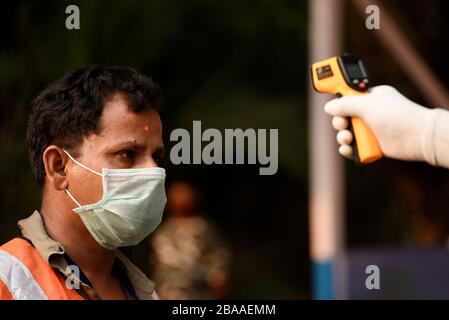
[342, 76]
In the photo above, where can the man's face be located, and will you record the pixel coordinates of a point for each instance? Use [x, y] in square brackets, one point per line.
[126, 140]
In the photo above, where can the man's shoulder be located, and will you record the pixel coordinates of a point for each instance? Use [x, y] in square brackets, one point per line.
[18, 261]
[17, 244]
[17, 249]
[20, 256]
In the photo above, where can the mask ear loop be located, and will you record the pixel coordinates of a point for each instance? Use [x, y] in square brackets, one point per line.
[72, 197]
[83, 166]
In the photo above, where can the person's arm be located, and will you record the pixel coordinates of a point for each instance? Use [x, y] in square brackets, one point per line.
[405, 130]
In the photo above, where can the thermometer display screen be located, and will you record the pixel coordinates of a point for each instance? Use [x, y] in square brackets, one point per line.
[355, 71]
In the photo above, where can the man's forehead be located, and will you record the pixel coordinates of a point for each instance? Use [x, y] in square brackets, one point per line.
[134, 144]
[107, 140]
[120, 125]
[117, 112]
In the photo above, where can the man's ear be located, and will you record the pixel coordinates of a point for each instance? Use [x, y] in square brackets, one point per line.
[55, 160]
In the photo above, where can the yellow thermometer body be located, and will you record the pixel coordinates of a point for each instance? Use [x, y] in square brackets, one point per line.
[343, 76]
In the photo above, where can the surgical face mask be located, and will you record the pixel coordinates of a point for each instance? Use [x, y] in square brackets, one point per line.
[131, 208]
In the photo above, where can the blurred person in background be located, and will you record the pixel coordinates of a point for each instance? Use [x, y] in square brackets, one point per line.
[191, 260]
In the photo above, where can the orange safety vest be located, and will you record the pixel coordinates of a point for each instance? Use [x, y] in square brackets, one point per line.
[25, 275]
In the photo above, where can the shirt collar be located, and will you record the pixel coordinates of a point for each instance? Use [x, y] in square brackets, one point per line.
[53, 252]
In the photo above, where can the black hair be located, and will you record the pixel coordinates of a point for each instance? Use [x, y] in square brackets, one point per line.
[71, 108]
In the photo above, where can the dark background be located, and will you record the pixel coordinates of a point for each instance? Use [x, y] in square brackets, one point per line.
[231, 64]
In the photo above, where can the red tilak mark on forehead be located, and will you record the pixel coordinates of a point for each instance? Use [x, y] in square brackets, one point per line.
[145, 128]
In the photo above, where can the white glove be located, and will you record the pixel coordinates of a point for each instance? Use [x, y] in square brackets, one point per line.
[405, 130]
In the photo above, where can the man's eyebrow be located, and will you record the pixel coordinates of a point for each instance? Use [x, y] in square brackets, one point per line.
[128, 145]
[158, 151]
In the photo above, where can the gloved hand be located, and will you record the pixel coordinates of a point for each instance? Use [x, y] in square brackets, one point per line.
[405, 130]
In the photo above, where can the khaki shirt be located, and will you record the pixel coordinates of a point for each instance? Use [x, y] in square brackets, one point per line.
[52, 251]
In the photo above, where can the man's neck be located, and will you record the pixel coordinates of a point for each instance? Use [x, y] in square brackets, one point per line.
[66, 227]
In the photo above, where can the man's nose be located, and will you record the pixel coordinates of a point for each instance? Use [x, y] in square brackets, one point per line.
[150, 162]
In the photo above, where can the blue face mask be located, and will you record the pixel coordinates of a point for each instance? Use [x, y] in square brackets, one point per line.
[131, 208]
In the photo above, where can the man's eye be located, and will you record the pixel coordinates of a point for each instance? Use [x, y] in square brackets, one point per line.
[127, 155]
